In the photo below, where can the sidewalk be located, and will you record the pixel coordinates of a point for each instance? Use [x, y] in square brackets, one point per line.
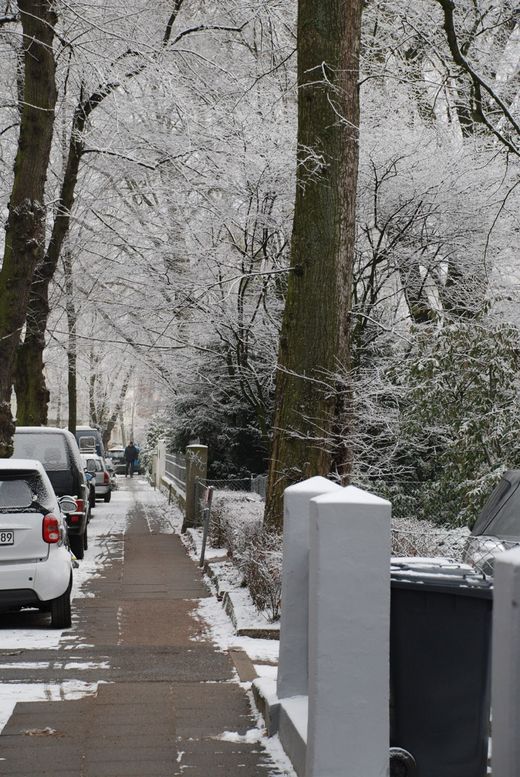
[168, 701]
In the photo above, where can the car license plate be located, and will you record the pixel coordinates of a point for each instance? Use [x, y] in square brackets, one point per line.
[6, 537]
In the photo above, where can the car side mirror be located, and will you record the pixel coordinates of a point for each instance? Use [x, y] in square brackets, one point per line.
[68, 504]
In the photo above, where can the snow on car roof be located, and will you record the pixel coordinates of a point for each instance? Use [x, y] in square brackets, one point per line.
[41, 429]
[15, 464]
[46, 430]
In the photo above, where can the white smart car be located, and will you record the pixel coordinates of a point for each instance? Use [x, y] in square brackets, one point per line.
[35, 560]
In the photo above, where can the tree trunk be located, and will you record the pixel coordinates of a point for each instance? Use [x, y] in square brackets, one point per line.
[25, 229]
[34, 395]
[72, 347]
[92, 410]
[109, 427]
[315, 329]
[30, 355]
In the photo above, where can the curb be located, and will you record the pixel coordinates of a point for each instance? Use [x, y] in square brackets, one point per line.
[267, 703]
[230, 596]
[244, 629]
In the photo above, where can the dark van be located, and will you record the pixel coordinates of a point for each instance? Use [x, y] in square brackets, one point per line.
[58, 451]
[87, 438]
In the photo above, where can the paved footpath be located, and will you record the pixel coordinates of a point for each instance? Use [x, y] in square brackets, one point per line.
[165, 698]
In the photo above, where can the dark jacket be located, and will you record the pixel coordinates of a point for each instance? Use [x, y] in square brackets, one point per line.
[131, 453]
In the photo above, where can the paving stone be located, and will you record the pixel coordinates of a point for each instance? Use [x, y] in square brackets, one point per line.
[165, 699]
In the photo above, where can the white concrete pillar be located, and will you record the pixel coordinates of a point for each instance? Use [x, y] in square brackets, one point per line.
[161, 462]
[292, 666]
[349, 635]
[505, 685]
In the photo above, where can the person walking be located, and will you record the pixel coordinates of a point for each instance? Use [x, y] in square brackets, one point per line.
[131, 453]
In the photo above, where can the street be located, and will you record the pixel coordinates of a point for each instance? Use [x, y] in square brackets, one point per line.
[135, 687]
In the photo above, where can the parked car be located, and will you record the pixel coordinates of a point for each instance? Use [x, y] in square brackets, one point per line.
[91, 483]
[89, 439]
[101, 481]
[117, 454]
[58, 451]
[498, 526]
[35, 561]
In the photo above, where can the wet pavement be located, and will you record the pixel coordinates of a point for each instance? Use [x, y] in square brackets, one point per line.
[134, 687]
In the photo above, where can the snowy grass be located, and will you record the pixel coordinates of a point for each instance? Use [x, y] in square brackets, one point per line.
[237, 525]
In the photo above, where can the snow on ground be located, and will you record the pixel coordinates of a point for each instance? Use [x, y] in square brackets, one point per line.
[220, 630]
[108, 521]
[222, 633]
[266, 671]
[218, 624]
[12, 693]
[152, 498]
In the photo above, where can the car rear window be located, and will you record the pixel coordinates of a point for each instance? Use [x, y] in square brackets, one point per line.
[97, 464]
[507, 521]
[87, 443]
[23, 492]
[50, 449]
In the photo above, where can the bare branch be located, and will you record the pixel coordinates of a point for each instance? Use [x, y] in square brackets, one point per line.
[206, 28]
[479, 83]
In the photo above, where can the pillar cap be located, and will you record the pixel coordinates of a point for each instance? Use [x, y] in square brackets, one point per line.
[311, 485]
[350, 495]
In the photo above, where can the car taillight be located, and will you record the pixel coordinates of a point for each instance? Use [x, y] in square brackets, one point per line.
[106, 478]
[50, 529]
[80, 505]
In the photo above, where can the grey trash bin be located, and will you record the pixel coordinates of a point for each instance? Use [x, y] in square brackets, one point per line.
[440, 638]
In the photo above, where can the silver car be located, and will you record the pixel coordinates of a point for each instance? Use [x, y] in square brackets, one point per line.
[95, 465]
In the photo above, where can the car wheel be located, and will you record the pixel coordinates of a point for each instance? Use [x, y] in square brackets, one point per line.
[107, 497]
[76, 545]
[85, 539]
[60, 611]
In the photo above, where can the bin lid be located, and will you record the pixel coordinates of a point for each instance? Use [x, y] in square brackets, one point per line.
[443, 575]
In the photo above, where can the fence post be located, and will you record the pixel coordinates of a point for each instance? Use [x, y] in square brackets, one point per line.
[349, 634]
[292, 666]
[161, 462]
[196, 469]
[208, 498]
[505, 686]
[153, 469]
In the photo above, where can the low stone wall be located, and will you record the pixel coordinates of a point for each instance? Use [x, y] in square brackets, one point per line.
[173, 492]
[196, 469]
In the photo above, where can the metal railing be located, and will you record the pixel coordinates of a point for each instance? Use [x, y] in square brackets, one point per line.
[175, 468]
